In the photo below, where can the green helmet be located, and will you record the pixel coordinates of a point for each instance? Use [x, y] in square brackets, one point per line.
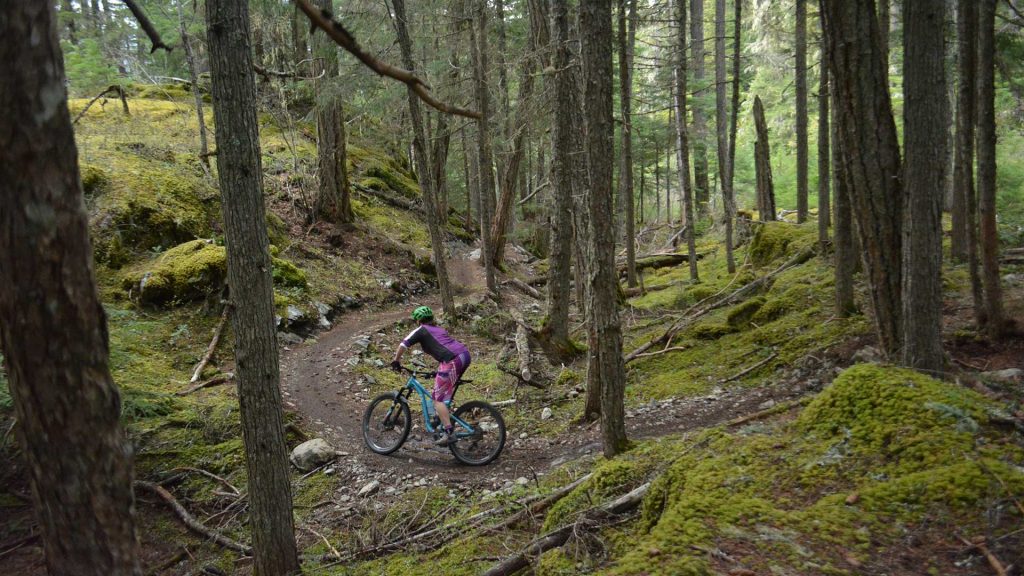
[422, 313]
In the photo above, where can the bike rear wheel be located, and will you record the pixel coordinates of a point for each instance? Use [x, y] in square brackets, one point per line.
[386, 423]
[486, 441]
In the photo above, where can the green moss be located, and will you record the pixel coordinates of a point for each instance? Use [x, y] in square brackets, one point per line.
[95, 180]
[740, 316]
[381, 171]
[288, 274]
[775, 240]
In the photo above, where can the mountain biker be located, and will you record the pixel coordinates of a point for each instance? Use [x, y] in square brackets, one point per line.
[452, 357]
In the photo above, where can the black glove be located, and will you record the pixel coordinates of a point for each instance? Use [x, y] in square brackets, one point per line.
[396, 365]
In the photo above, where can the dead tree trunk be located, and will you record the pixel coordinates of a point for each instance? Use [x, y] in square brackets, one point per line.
[995, 324]
[595, 30]
[871, 156]
[190, 60]
[252, 293]
[428, 174]
[53, 330]
[683, 139]
[924, 174]
[763, 165]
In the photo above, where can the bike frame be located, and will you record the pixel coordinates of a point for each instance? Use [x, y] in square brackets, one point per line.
[414, 385]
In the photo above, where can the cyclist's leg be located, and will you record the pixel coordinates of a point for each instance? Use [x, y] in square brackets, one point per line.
[444, 387]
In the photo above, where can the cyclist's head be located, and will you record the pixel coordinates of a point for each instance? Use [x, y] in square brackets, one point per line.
[423, 314]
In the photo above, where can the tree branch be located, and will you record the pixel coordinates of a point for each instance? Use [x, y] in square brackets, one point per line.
[190, 521]
[147, 26]
[322, 19]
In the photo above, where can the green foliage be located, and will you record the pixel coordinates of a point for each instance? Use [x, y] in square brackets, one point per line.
[6, 402]
[88, 69]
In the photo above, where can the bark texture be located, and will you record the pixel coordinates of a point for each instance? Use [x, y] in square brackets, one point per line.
[722, 131]
[763, 165]
[845, 259]
[241, 186]
[871, 157]
[698, 53]
[52, 326]
[924, 176]
[995, 324]
[683, 140]
[626, 40]
[478, 35]
[824, 161]
[595, 30]
[801, 110]
[333, 202]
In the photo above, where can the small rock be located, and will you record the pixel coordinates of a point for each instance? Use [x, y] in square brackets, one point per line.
[475, 254]
[363, 342]
[312, 453]
[766, 404]
[522, 481]
[370, 488]
[329, 471]
[293, 313]
[852, 499]
[370, 379]
[289, 338]
[573, 394]
[545, 414]
[867, 354]
[1009, 375]
[353, 361]
[523, 436]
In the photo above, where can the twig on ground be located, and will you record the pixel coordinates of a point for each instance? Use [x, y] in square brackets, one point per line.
[334, 551]
[212, 347]
[768, 412]
[161, 567]
[994, 562]
[209, 475]
[190, 520]
[19, 544]
[538, 507]
[215, 381]
[116, 89]
[743, 373]
[662, 351]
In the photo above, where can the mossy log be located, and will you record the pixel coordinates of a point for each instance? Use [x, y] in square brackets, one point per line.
[652, 261]
[387, 198]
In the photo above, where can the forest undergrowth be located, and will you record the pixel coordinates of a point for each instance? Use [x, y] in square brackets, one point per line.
[856, 468]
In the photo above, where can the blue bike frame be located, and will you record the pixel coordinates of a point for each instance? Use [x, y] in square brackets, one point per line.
[414, 385]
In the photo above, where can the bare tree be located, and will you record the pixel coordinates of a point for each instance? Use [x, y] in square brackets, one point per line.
[924, 174]
[722, 131]
[627, 39]
[995, 323]
[870, 153]
[53, 329]
[595, 30]
[763, 165]
[682, 138]
[252, 292]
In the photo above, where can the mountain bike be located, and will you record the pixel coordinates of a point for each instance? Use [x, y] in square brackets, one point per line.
[479, 428]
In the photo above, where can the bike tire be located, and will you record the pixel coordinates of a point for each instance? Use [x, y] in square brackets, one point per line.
[375, 422]
[490, 426]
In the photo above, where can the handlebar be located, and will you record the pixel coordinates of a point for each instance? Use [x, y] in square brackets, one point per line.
[417, 372]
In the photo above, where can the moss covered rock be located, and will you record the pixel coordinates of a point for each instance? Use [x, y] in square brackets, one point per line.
[740, 316]
[776, 240]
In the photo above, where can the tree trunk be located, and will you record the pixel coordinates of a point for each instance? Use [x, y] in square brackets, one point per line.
[626, 194]
[824, 202]
[763, 166]
[503, 97]
[300, 50]
[845, 260]
[67, 11]
[52, 326]
[924, 176]
[486, 164]
[965, 218]
[683, 138]
[700, 121]
[722, 131]
[595, 30]
[737, 57]
[657, 181]
[467, 177]
[193, 75]
[563, 180]
[801, 110]
[333, 202]
[252, 289]
[428, 175]
[884, 26]
[870, 155]
[994, 321]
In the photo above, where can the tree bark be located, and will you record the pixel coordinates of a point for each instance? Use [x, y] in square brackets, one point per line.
[824, 201]
[884, 26]
[479, 37]
[737, 57]
[595, 30]
[300, 48]
[252, 295]
[683, 139]
[722, 131]
[845, 259]
[626, 194]
[428, 175]
[924, 175]
[801, 110]
[468, 176]
[53, 329]
[698, 54]
[995, 325]
[563, 179]
[871, 156]
[333, 202]
[763, 166]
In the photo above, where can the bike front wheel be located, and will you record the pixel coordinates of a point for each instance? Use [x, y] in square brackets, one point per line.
[484, 443]
[386, 423]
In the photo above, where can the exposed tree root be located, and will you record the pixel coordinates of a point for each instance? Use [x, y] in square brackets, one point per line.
[190, 521]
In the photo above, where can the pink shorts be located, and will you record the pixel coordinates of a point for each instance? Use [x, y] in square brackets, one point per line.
[448, 373]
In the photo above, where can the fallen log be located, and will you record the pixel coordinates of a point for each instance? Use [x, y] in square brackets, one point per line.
[671, 243]
[524, 288]
[743, 373]
[561, 535]
[190, 521]
[537, 507]
[658, 260]
[212, 347]
[523, 350]
[392, 199]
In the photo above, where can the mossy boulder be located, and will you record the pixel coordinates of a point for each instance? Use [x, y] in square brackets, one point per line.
[710, 330]
[777, 240]
[193, 271]
[95, 180]
[378, 170]
[741, 315]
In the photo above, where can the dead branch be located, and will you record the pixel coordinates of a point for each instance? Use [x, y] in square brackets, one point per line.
[147, 26]
[743, 373]
[560, 536]
[268, 74]
[396, 201]
[190, 521]
[115, 89]
[538, 507]
[696, 311]
[323, 20]
[778, 408]
[211, 476]
[212, 347]
[663, 351]
[672, 241]
[334, 551]
[19, 543]
[215, 381]
[524, 288]
[160, 568]
[519, 377]
[994, 562]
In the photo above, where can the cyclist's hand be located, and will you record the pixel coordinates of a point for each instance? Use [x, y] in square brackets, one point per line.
[396, 366]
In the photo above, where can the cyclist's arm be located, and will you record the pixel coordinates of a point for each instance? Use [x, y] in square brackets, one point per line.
[409, 341]
[399, 352]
